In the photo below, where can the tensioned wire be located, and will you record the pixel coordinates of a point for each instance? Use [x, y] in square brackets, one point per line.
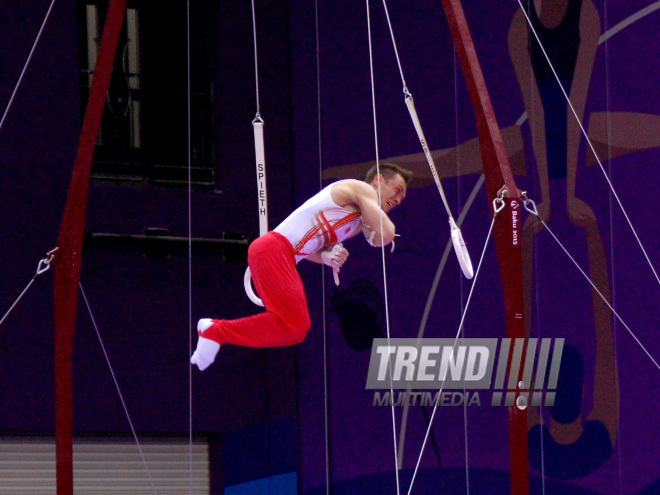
[408, 98]
[458, 183]
[256, 59]
[382, 247]
[533, 211]
[42, 267]
[433, 291]
[591, 146]
[611, 208]
[2, 121]
[326, 416]
[458, 334]
[407, 93]
[190, 320]
[605, 36]
[398, 455]
[535, 293]
[27, 62]
[114, 379]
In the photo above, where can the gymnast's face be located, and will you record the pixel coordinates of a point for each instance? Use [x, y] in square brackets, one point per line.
[392, 191]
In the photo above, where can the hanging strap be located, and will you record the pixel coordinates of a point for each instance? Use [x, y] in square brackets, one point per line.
[456, 236]
[260, 158]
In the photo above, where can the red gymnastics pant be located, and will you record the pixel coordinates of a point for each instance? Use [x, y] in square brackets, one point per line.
[286, 320]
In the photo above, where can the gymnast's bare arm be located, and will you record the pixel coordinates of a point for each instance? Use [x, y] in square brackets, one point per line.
[363, 196]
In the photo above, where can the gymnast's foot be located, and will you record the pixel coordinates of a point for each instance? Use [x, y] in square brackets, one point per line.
[207, 349]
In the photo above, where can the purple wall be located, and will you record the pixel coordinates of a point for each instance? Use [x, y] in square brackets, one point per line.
[141, 305]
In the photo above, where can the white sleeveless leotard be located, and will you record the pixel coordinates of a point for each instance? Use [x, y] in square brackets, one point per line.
[319, 221]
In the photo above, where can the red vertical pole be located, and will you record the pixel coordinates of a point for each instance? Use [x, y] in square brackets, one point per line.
[508, 228]
[68, 259]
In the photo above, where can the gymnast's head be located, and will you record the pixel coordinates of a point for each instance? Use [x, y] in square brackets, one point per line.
[393, 183]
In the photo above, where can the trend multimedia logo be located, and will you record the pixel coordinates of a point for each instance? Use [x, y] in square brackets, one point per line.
[465, 368]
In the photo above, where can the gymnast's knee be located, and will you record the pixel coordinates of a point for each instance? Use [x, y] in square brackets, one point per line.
[300, 327]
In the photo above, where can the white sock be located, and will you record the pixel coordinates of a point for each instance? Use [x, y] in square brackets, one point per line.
[203, 324]
[205, 353]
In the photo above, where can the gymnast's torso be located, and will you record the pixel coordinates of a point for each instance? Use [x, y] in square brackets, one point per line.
[319, 221]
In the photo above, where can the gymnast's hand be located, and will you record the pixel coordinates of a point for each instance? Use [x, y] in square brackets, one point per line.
[369, 234]
[335, 257]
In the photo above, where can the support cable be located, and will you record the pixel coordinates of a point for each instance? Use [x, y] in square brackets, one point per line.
[498, 205]
[190, 319]
[530, 206]
[42, 267]
[458, 160]
[256, 58]
[326, 412]
[114, 379]
[27, 62]
[431, 297]
[591, 146]
[382, 247]
[535, 294]
[608, 107]
[260, 160]
[460, 248]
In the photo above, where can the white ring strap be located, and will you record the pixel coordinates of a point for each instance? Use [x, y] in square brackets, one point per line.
[260, 156]
[456, 237]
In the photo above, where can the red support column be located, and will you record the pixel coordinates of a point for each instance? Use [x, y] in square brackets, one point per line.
[508, 227]
[68, 259]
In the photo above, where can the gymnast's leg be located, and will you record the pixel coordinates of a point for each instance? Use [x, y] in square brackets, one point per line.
[286, 319]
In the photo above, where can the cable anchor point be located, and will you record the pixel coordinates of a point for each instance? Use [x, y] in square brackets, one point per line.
[529, 204]
[44, 264]
[498, 204]
[42, 267]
